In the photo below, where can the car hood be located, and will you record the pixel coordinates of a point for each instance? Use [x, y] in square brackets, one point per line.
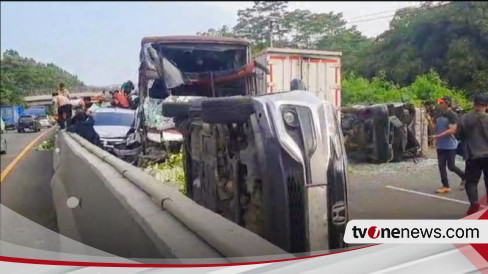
[112, 131]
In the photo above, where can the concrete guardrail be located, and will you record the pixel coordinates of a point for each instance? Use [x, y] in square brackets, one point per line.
[122, 210]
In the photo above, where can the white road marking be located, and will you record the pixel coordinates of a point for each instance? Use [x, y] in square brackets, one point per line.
[429, 195]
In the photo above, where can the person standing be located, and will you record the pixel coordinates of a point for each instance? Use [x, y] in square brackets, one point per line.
[473, 130]
[63, 91]
[64, 108]
[446, 143]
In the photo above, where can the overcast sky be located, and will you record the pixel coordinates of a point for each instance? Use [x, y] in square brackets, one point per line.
[99, 41]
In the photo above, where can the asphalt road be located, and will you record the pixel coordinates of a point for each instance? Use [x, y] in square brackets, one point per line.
[406, 191]
[26, 189]
[389, 191]
[16, 142]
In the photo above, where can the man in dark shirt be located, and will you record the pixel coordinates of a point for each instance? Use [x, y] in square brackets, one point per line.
[446, 143]
[83, 126]
[473, 129]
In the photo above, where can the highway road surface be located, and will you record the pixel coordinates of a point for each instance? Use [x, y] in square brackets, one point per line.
[391, 191]
[26, 175]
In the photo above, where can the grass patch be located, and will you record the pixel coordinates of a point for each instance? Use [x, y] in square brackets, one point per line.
[46, 145]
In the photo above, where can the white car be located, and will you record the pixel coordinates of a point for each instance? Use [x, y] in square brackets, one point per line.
[45, 121]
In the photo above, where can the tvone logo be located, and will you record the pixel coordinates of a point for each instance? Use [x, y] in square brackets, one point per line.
[373, 232]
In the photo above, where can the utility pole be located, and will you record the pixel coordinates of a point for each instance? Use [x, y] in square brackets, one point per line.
[270, 33]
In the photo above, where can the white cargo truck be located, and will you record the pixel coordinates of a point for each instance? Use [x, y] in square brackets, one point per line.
[319, 70]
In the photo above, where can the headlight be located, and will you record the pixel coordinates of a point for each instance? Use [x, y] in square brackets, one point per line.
[290, 117]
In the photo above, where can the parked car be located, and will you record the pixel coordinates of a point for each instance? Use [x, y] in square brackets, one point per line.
[275, 164]
[115, 127]
[29, 122]
[3, 141]
[45, 120]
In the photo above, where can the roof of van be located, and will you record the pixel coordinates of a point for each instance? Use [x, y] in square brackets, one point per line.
[194, 39]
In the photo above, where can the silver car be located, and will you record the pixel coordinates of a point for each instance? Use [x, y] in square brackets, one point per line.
[3, 143]
[115, 127]
[45, 121]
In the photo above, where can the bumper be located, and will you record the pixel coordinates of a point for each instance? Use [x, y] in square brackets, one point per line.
[306, 171]
[127, 152]
[119, 149]
[22, 127]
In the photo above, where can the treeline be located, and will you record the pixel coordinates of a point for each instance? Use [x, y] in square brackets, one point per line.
[19, 74]
[426, 88]
[442, 42]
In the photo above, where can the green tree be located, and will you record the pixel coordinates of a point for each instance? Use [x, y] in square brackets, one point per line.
[261, 20]
[19, 75]
[223, 31]
[450, 37]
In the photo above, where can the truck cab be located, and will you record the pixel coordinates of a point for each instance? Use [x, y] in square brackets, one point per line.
[187, 66]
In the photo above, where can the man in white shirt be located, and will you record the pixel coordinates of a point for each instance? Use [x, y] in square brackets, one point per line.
[64, 107]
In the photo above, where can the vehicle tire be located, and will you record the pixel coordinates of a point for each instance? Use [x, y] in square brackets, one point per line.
[19, 131]
[176, 109]
[227, 110]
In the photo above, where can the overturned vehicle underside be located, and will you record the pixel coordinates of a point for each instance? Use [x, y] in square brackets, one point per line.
[381, 133]
[272, 163]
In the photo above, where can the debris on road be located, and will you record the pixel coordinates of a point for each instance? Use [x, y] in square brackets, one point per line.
[170, 172]
[46, 145]
[422, 165]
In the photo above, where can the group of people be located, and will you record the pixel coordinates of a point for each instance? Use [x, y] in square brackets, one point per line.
[82, 121]
[122, 98]
[66, 106]
[472, 130]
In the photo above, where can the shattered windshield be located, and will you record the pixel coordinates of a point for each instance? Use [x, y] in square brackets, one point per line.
[179, 64]
[198, 59]
[195, 69]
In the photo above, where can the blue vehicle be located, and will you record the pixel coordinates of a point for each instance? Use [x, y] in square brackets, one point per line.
[10, 115]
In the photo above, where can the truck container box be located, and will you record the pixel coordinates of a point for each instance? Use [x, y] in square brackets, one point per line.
[10, 115]
[319, 70]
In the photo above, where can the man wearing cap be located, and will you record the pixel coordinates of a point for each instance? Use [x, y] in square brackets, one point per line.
[473, 129]
[446, 143]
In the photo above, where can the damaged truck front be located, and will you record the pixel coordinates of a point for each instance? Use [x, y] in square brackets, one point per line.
[273, 163]
[186, 66]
